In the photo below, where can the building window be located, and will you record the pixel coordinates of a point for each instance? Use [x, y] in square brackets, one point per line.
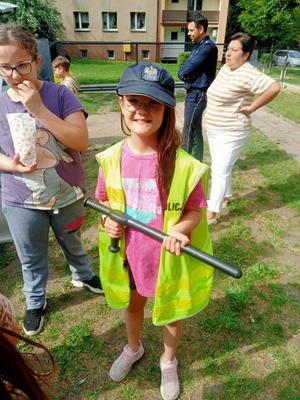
[111, 54]
[194, 5]
[145, 54]
[175, 1]
[109, 21]
[138, 21]
[83, 53]
[214, 33]
[174, 35]
[81, 21]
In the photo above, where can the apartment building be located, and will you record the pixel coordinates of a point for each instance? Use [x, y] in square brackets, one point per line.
[137, 29]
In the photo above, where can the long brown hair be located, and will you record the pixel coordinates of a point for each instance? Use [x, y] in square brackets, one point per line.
[17, 379]
[20, 35]
[169, 140]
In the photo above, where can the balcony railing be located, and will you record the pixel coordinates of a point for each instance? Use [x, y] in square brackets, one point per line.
[179, 17]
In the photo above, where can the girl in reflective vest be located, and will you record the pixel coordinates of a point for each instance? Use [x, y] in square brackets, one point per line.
[149, 177]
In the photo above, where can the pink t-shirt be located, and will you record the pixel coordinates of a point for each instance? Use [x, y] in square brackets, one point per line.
[143, 202]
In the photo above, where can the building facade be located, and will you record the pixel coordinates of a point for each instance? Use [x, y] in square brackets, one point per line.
[136, 30]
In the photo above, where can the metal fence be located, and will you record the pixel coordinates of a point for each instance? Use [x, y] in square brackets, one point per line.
[126, 51]
[138, 51]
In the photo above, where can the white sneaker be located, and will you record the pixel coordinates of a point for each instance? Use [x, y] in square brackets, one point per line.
[169, 387]
[122, 365]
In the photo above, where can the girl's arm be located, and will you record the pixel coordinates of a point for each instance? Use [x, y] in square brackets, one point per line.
[189, 220]
[111, 227]
[8, 164]
[72, 131]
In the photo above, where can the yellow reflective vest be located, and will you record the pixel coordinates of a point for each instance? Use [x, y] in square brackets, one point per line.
[184, 283]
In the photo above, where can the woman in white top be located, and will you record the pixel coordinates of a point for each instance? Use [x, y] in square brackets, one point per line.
[230, 103]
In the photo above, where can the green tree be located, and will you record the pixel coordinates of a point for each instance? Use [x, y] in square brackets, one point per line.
[270, 21]
[41, 16]
[233, 24]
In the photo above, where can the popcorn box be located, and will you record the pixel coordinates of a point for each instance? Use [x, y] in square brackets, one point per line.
[23, 132]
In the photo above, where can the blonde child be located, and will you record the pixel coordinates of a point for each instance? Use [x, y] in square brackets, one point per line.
[61, 67]
[152, 179]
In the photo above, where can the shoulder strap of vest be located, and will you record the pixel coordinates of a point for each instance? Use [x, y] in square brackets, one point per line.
[109, 160]
[111, 151]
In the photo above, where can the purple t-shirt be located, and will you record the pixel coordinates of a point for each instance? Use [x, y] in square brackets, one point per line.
[58, 180]
[144, 203]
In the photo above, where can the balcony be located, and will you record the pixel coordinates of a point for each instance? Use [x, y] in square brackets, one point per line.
[179, 17]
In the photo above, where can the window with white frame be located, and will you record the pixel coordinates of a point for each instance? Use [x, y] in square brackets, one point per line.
[145, 54]
[111, 54]
[82, 22]
[109, 21]
[138, 21]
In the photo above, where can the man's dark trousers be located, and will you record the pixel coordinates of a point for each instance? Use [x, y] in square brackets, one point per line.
[195, 103]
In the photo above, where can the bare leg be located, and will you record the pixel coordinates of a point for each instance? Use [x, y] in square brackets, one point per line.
[211, 215]
[134, 350]
[134, 317]
[171, 337]
[169, 386]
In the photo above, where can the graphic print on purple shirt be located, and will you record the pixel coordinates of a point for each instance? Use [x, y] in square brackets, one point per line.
[58, 180]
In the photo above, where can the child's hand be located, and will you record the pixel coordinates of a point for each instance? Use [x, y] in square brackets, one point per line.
[171, 242]
[17, 166]
[112, 228]
[29, 96]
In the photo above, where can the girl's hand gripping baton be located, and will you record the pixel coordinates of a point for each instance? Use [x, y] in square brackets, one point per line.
[124, 219]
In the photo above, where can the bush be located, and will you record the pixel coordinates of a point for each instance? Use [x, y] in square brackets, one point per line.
[182, 57]
[265, 59]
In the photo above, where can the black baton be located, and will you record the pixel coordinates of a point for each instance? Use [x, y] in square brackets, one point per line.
[125, 219]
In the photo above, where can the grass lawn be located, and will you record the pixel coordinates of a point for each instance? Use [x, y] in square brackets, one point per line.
[97, 71]
[287, 104]
[246, 343]
[292, 75]
[94, 102]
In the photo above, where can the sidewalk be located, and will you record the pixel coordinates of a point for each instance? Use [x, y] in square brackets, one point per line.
[105, 129]
[285, 133]
[292, 88]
